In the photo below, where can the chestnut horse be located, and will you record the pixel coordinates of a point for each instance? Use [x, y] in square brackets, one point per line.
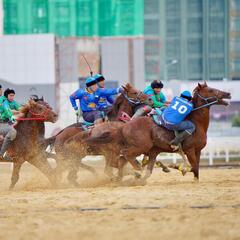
[125, 102]
[26, 145]
[143, 136]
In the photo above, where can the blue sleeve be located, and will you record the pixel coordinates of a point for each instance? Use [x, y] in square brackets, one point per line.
[76, 95]
[110, 99]
[108, 92]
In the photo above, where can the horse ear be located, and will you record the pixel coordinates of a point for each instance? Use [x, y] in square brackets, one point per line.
[124, 88]
[31, 102]
[128, 85]
[42, 98]
[205, 84]
[199, 85]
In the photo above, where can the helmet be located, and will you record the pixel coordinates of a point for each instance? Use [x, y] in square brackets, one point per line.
[90, 81]
[156, 84]
[187, 95]
[99, 77]
[8, 91]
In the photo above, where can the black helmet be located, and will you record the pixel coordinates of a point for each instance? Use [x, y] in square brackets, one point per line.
[156, 84]
[8, 91]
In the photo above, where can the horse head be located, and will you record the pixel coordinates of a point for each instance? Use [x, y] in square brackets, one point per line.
[40, 109]
[135, 95]
[203, 94]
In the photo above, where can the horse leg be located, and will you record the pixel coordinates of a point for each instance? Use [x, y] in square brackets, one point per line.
[192, 158]
[15, 174]
[152, 159]
[108, 170]
[86, 167]
[72, 177]
[43, 165]
[161, 165]
[121, 163]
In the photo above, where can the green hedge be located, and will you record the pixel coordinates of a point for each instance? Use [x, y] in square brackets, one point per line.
[236, 121]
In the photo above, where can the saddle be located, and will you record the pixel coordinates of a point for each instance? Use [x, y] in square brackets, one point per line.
[156, 116]
[87, 125]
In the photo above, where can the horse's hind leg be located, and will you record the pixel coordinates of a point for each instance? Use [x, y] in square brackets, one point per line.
[15, 174]
[86, 167]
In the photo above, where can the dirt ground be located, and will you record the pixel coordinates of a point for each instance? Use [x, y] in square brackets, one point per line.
[170, 206]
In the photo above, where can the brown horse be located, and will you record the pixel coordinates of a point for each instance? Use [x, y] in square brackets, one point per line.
[125, 102]
[26, 145]
[143, 136]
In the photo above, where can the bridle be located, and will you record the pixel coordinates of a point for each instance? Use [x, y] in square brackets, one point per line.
[135, 101]
[36, 116]
[206, 99]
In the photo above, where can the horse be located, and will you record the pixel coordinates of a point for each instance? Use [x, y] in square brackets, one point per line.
[125, 102]
[26, 146]
[143, 136]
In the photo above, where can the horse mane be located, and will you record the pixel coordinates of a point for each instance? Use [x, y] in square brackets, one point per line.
[113, 111]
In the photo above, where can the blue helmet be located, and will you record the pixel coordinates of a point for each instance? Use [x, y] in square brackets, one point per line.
[90, 81]
[99, 77]
[187, 95]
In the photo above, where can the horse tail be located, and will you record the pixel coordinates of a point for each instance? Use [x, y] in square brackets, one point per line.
[105, 137]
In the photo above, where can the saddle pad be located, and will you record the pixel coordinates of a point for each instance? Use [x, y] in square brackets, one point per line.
[157, 119]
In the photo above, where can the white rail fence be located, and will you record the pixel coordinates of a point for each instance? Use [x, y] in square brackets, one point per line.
[217, 148]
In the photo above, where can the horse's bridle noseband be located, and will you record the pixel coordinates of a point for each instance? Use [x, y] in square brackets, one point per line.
[206, 99]
[134, 101]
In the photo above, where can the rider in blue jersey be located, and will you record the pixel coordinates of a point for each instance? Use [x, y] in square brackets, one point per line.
[89, 101]
[173, 117]
[104, 102]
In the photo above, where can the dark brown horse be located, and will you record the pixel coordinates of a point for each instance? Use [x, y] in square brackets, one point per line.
[125, 102]
[26, 145]
[143, 136]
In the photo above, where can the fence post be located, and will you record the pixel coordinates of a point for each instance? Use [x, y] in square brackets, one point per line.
[210, 153]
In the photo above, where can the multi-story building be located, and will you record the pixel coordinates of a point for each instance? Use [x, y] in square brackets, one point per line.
[183, 39]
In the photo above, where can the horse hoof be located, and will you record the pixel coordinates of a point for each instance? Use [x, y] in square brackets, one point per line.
[196, 180]
[166, 170]
[183, 171]
[11, 188]
[137, 175]
[116, 179]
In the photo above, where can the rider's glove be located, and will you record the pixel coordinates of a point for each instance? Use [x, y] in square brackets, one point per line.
[120, 90]
[77, 112]
[12, 120]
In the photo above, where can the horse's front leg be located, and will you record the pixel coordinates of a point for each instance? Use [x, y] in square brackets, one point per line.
[43, 165]
[15, 173]
[193, 158]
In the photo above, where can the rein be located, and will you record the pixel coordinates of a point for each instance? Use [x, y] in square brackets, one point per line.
[31, 119]
[132, 100]
[206, 100]
[37, 118]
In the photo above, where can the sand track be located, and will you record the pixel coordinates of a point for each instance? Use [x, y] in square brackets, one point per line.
[168, 207]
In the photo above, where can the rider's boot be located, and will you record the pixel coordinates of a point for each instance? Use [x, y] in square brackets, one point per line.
[7, 141]
[179, 138]
[142, 111]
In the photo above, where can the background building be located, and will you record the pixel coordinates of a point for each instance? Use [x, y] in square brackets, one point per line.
[136, 41]
[202, 36]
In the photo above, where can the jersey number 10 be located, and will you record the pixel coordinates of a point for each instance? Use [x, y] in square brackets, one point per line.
[180, 108]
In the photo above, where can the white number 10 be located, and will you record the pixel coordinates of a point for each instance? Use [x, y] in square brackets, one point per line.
[181, 109]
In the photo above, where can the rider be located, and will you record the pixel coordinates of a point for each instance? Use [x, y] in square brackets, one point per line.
[8, 106]
[158, 99]
[173, 118]
[89, 100]
[104, 102]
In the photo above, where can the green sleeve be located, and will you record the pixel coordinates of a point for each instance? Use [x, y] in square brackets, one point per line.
[17, 106]
[7, 111]
[158, 100]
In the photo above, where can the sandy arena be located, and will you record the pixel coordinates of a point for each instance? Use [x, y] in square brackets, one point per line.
[168, 207]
